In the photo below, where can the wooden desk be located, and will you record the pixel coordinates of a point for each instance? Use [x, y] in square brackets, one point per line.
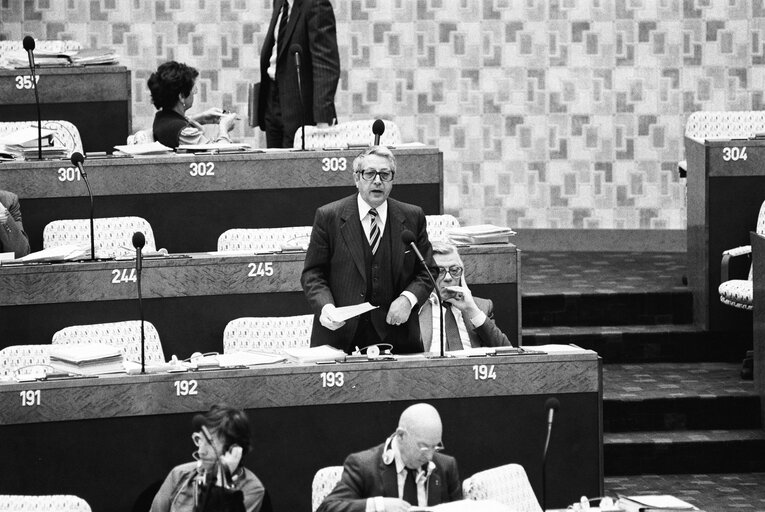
[108, 439]
[190, 200]
[758, 339]
[96, 99]
[725, 192]
[190, 300]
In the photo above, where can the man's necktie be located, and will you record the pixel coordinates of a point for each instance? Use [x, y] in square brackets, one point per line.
[410, 487]
[374, 232]
[283, 21]
[452, 332]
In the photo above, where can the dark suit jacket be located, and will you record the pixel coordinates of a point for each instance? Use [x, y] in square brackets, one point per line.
[335, 270]
[311, 25]
[12, 235]
[487, 335]
[365, 475]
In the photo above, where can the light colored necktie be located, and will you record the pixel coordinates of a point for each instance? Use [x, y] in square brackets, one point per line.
[374, 233]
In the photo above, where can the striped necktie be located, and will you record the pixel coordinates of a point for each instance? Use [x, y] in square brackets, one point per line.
[283, 22]
[374, 232]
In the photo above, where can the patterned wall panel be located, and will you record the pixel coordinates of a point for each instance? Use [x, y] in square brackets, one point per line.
[550, 113]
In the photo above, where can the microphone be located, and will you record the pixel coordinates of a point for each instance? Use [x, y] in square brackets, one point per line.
[139, 240]
[77, 160]
[378, 128]
[29, 45]
[551, 406]
[408, 238]
[297, 51]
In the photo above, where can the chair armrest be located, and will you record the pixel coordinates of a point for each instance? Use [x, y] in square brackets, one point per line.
[727, 256]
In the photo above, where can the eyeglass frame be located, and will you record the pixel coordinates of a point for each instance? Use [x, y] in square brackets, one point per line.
[425, 449]
[376, 174]
[443, 270]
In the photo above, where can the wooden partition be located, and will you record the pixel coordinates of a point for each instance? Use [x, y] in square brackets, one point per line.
[191, 298]
[109, 439]
[97, 100]
[189, 200]
[726, 186]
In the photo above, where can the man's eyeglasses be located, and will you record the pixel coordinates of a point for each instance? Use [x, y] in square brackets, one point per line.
[426, 449]
[371, 174]
[455, 271]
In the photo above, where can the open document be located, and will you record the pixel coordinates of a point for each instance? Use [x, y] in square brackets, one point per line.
[347, 312]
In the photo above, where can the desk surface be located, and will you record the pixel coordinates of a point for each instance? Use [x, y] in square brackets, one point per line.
[189, 200]
[195, 297]
[73, 434]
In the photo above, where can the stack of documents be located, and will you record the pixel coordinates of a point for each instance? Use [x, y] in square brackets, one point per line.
[86, 358]
[57, 253]
[324, 353]
[145, 149]
[481, 234]
[23, 143]
[653, 503]
[94, 57]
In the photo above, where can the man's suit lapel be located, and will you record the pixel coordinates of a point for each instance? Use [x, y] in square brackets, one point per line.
[296, 9]
[397, 221]
[389, 479]
[353, 235]
[435, 484]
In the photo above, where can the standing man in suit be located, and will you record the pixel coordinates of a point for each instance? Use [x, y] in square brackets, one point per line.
[13, 238]
[468, 320]
[356, 255]
[406, 470]
[311, 25]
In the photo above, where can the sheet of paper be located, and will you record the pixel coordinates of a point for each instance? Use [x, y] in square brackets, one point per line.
[661, 501]
[347, 312]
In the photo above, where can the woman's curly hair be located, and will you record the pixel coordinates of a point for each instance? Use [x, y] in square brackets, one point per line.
[168, 81]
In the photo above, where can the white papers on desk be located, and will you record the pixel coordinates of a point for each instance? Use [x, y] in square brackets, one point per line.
[7, 256]
[653, 502]
[556, 349]
[215, 146]
[26, 137]
[466, 506]
[347, 312]
[480, 234]
[86, 358]
[242, 358]
[58, 253]
[323, 353]
[146, 149]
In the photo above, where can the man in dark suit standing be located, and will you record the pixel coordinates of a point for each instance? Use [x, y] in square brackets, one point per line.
[406, 470]
[311, 25]
[468, 320]
[356, 255]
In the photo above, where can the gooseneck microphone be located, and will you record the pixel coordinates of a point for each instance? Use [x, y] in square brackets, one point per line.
[378, 128]
[77, 161]
[139, 240]
[29, 46]
[408, 238]
[551, 406]
[297, 51]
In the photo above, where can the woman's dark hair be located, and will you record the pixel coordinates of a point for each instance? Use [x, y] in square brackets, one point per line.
[230, 424]
[168, 81]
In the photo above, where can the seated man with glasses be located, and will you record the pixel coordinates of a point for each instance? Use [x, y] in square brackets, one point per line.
[357, 255]
[217, 480]
[468, 320]
[406, 470]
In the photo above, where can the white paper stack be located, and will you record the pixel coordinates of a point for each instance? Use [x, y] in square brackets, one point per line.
[87, 358]
[324, 353]
[481, 234]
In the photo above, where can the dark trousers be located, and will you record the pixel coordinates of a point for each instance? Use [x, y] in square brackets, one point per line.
[275, 134]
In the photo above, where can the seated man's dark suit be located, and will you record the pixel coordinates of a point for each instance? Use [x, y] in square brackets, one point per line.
[12, 235]
[366, 475]
[487, 335]
[340, 269]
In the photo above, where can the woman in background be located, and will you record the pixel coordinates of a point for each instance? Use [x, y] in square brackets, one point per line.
[172, 89]
[217, 480]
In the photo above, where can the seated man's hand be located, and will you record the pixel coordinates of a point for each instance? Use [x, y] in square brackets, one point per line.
[326, 318]
[462, 298]
[232, 457]
[396, 505]
[399, 310]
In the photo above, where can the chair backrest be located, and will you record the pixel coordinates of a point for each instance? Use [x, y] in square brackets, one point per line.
[323, 482]
[114, 235]
[343, 134]
[65, 133]
[269, 334]
[53, 503]
[506, 484]
[439, 225]
[704, 125]
[263, 239]
[18, 356]
[124, 335]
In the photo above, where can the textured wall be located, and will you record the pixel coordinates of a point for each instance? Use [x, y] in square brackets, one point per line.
[550, 113]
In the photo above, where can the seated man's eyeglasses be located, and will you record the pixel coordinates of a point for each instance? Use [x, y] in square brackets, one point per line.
[370, 174]
[425, 448]
[455, 271]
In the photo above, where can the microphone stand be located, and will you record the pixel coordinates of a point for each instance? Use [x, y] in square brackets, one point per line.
[302, 107]
[31, 56]
[438, 297]
[77, 159]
